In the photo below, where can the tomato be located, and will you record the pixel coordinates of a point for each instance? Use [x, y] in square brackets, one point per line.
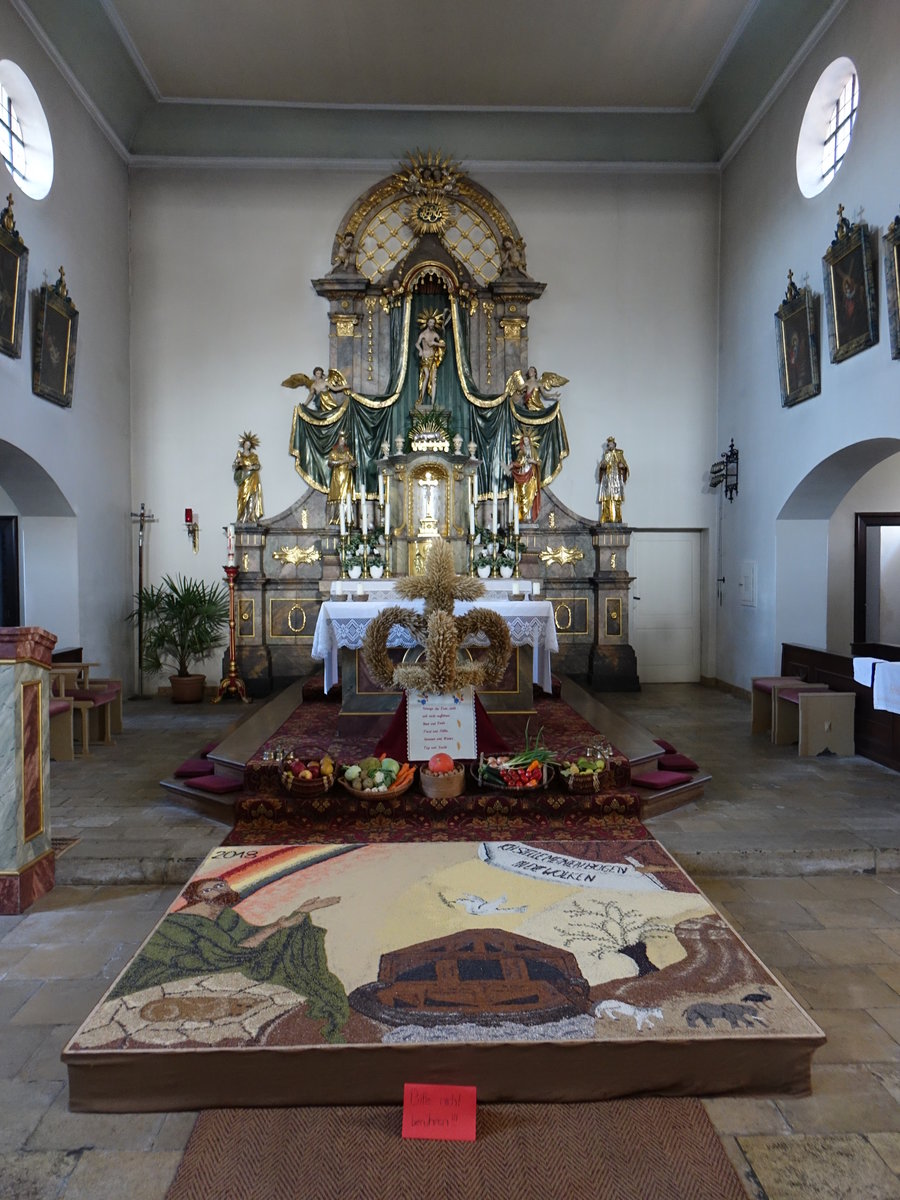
[440, 764]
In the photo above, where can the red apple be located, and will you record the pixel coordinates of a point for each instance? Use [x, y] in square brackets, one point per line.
[440, 764]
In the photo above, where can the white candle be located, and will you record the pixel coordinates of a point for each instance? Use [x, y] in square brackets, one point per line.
[515, 518]
[229, 545]
[494, 512]
[359, 590]
[343, 518]
[515, 587]
[536, 588]
[339, 588]
[387, 518]
[363, 513]
[380, 488]
[471, 520]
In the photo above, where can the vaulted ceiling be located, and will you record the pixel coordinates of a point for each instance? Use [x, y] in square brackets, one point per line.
[658, 81]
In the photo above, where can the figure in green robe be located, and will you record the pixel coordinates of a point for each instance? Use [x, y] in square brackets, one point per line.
[207, 935]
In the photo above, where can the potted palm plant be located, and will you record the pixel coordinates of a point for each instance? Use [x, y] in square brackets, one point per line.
[183, 622]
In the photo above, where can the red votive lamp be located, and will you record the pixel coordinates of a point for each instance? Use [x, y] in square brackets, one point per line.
[188, 516]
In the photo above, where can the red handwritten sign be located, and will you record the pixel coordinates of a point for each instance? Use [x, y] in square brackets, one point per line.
[438, 1110]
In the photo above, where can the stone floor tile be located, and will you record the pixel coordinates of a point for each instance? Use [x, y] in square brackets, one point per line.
[15, 1051]
[890, 973]
[847, 887]
[840, 987]
[60, 1129]
[774, 889]
[888, 1146]
[846, 947]
[847, 914]
[800, 1168]
[779, 949]
[854, 1036]
[745, 1114]
[844, 1099]
[100, 1173]
[58, 1001]
[45, 1060]
[773, 914]
[25, 1176]
[175, 1131]
[743, 1170]
[62, 960]
[888, 1019]
[22, 1108]
[9, 956]
[13, 994]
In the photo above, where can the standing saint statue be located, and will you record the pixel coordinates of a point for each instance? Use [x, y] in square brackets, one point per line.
[430, 347]
[525, 472]
[340, 487]
[246, 468]
[613, 477]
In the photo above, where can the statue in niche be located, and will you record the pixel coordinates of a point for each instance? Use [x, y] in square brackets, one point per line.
[322, 388]
[613, 477]
[246, 468]
[340, 486]
[529, 391]
[430, 347]
[525, 472]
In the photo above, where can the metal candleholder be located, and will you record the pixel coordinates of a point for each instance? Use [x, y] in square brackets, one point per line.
[232, 684]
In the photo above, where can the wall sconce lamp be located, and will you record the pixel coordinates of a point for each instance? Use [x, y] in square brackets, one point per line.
[725, 470]
[193, 529]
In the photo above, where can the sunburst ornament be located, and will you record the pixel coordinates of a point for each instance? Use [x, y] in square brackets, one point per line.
[429, 213]
[439, 631]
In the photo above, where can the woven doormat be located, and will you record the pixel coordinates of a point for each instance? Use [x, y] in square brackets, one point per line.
[649, 1148]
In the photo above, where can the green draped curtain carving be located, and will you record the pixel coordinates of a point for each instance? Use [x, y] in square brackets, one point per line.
[368, 421]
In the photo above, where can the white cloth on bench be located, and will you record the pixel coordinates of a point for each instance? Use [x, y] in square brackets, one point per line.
[864, 670]
[886, 687]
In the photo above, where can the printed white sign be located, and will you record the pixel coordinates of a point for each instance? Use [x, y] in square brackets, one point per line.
[440, 724]
[563, 868]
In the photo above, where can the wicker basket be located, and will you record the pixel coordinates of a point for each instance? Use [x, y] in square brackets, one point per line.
[369, 793]
[596, 781]
[440, 786]
[307, 787]
[548, 774]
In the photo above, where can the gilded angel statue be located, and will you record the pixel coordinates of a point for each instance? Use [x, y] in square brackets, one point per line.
[322, 388]
[529, 391]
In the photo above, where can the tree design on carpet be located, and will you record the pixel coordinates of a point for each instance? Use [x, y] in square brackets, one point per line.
[608, 928]
[439, 631]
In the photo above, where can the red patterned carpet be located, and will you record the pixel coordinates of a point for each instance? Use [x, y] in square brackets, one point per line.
[267, 814]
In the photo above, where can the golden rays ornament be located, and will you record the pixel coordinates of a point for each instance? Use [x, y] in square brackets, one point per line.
[439, 631]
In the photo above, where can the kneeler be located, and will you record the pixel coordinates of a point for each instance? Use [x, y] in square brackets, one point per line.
[393, 740]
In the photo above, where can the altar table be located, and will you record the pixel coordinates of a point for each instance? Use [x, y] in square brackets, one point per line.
[343, 623]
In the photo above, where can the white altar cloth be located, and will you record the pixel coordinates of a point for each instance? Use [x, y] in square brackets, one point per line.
[343, 623]
[383, 589]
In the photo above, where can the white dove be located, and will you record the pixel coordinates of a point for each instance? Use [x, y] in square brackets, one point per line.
[475, 906]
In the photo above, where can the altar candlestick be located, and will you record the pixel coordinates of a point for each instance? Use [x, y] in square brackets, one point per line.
[229, 545]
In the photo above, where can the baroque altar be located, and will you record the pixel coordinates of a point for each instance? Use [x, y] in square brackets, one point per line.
[428, 422]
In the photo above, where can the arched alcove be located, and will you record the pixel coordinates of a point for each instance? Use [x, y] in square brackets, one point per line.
[814, 545]
[47, 544]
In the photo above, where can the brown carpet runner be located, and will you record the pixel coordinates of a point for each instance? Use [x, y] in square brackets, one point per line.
[649, 1148]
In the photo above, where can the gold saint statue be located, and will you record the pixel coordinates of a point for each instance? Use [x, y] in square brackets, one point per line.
[340, 486]
[525, 471]
[613, 477]
[245, 469]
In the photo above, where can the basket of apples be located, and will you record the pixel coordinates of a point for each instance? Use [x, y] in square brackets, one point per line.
[442, 777]
[308, 777]
[584, 770]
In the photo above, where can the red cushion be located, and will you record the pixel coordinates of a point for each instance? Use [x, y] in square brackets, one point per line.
[194, 766]
[59, 706]
[664, 745]
[676, 762]
[792, 695]
[659, 780]
[95, 695]
[216, 783]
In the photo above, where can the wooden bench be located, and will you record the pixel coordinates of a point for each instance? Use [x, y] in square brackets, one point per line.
[70, 681]
[62, 738]
[764, 691]
[816, 720]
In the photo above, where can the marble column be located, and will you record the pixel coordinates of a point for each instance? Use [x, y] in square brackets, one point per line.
[26, 853]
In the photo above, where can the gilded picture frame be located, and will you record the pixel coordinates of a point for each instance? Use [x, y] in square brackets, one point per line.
[13, 283]
[55, 340]
[797, 335]
[851, 291]
[891, 242]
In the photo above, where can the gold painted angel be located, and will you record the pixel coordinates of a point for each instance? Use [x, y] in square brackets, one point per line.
[322, 388]
[530, 391]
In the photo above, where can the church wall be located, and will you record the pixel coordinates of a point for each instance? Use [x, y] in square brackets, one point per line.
[768, 227]
[83, 224]
[629, 316]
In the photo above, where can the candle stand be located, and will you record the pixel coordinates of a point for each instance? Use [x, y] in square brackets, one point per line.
[232, 684]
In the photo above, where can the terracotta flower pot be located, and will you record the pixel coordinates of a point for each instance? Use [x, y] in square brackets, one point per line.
[187, 689]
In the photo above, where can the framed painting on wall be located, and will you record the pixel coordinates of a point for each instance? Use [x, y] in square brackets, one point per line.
[55, 336]
[13, 281]
[892, 280]
[797, 331]
[851, 296]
